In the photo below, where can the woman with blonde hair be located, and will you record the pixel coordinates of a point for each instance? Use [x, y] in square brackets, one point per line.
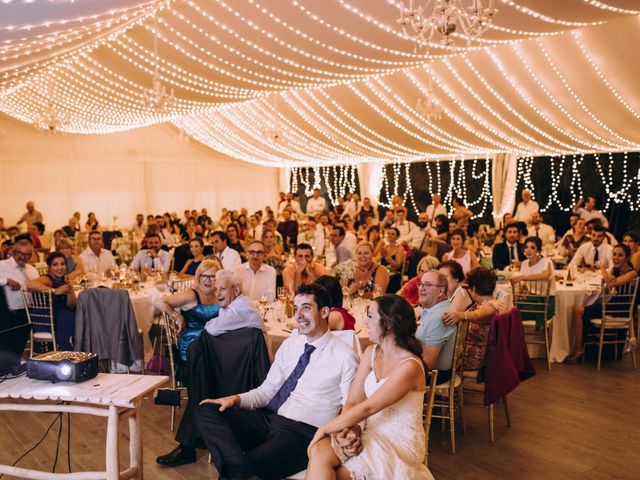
[409, 290]
[369, 276]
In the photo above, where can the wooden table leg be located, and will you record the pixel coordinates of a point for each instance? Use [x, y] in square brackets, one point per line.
[113, 462]
[135, 442]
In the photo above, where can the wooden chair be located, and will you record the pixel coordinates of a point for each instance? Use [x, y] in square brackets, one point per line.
[449, 395]
[474, 395]
[171, 335]
[617, 315]
[39, 309]
[532, 298]
[429, 400]
[178, 286]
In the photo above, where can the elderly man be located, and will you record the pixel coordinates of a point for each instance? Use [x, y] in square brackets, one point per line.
[316, 204]
[438, 339]
[31, 216]
[587, 211]
[256, 277]
[71, 228]
[594, 254]
[237, 313]
[436, 208]
[343, 252]
[15, 273]
[153, 257]
[307, 385]
[541, 230]
[303, 271]
[526, 208]
[229, 257]
[95, 258]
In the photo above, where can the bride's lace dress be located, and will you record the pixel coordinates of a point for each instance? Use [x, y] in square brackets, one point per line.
[393, 442]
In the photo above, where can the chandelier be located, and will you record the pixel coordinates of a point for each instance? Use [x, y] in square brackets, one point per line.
[445, 17]
[157, 98]
[51, 119]
[428, 106]
[274, 132]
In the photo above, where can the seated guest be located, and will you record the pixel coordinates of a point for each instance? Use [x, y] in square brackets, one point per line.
[95, 258]
[388, 220]
[306, 387]
[363, 228]
[535, 267]
[510, 251]
[236, 314]
[541, 230]
[339, 317]
[441, 226]
[191, 310]
[316, 204]
[369, 276]
[591, 255]
[393, 256]
[460, 214]
[350, 237]
[406, 227]
[392, 444]
[303, 271]
[587, 210]
[620, 273]
[375, 239]
[482, 284]
[365, 211]
[313, 234]
[632, 240]
[62, 296]
[467, 260]
[343, 252]
[234, 241]
[36, 230]
[472, 243]
[438, 339]
[609, 238]
[139, 227]
[196, 247]
[5, 249]
[409, 290]
[507, 219]
[574, 238]
[71, 228]
[229, 257]
[288, 228]
[15, 273]
[254, 229]
[273, 251]
[256, 277]
[458, 292]
[92, 223]
[165, 230]
[153, 258]
[75, 269]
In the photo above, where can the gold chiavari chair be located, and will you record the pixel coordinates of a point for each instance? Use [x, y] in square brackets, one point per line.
[449, 395]
[532, 298]
[474, 395]
[171, 335]
[178, 286]
[39, 309]
[429, 400]
[617, 316]
[42, 269]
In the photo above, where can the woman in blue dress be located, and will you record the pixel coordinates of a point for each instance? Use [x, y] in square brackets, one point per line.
[62, 296]
[196, 247]
[191, 310]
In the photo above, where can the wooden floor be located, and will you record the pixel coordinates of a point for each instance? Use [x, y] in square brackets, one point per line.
[570, 423]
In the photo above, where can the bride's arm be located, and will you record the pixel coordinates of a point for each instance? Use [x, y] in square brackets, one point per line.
[356, 390]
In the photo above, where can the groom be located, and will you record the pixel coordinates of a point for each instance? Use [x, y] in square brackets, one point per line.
[266, 431]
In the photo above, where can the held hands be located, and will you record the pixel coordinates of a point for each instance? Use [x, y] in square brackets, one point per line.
[224, 402]
[451, 318]
[350, 440]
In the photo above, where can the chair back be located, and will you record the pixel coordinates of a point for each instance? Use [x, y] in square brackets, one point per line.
[170, 328]
[458, 351]
[619, 305]
[429, 401]
[178, 286]
[39, 308]
[82, 240]
[42, 269]
[350, 338]
[532, 298]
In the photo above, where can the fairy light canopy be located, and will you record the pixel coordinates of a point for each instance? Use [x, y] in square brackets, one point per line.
[548, 77]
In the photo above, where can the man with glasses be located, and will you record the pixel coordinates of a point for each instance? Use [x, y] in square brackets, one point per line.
[256, 277]
[438, 339]
[15, 273]
[95, 258]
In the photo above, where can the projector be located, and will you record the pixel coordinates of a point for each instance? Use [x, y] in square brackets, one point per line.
[63, 366]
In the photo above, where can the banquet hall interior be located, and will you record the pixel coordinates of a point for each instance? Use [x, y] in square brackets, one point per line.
[228, 226]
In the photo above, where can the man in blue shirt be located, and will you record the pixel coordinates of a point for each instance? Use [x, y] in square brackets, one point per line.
[438, 339]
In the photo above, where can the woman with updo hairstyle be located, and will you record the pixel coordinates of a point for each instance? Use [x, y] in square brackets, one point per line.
[387, 392]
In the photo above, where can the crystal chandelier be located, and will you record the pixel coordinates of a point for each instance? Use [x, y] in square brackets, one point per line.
[428, 106]
[157, 98]
[274, 132]
[445, 17]
[50, 119]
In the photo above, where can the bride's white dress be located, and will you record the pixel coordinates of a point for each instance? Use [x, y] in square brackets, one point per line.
[393, 441]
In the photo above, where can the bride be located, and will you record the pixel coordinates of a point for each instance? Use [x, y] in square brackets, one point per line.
[388, 394]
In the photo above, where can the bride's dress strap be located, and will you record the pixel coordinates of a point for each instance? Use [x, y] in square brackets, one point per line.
[409, 358]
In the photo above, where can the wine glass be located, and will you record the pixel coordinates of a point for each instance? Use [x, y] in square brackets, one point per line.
[361, 288]
[264, 301]
[377, 290]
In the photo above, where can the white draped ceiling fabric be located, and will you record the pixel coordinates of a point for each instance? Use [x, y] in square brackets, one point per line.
[286, 83]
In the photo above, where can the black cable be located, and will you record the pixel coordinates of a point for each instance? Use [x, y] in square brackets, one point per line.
[55, 461]
[36, 445]
[69, 441]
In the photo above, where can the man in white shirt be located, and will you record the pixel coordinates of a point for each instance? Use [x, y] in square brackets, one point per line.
[289, 202]
[316, 204]
[351, 207]
[257, 278]
[153, 258]
[306, 386]
[139, 228]
[587, 210]
[594, 254]
[404, 226]
[343, 252]
[436, 208]
[313, 234]
[31, 216]
[254, 232]
[526, 208]
[350, 239]
[541, 230]
[419, 237]
[15, 273]
[227, 255]
[95, 258]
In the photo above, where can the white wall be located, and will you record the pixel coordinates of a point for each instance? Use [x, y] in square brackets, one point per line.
[147, 170]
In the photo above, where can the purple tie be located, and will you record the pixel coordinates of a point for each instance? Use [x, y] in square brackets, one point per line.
[290, 383]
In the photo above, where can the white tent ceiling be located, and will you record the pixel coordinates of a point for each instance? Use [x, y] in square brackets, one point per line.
[337, 81]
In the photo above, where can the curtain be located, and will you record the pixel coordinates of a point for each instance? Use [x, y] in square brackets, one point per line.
[370, 179]
[504, 169]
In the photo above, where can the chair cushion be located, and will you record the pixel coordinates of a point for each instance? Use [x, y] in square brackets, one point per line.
[443, 388]
[43, 335]
[612, 322]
